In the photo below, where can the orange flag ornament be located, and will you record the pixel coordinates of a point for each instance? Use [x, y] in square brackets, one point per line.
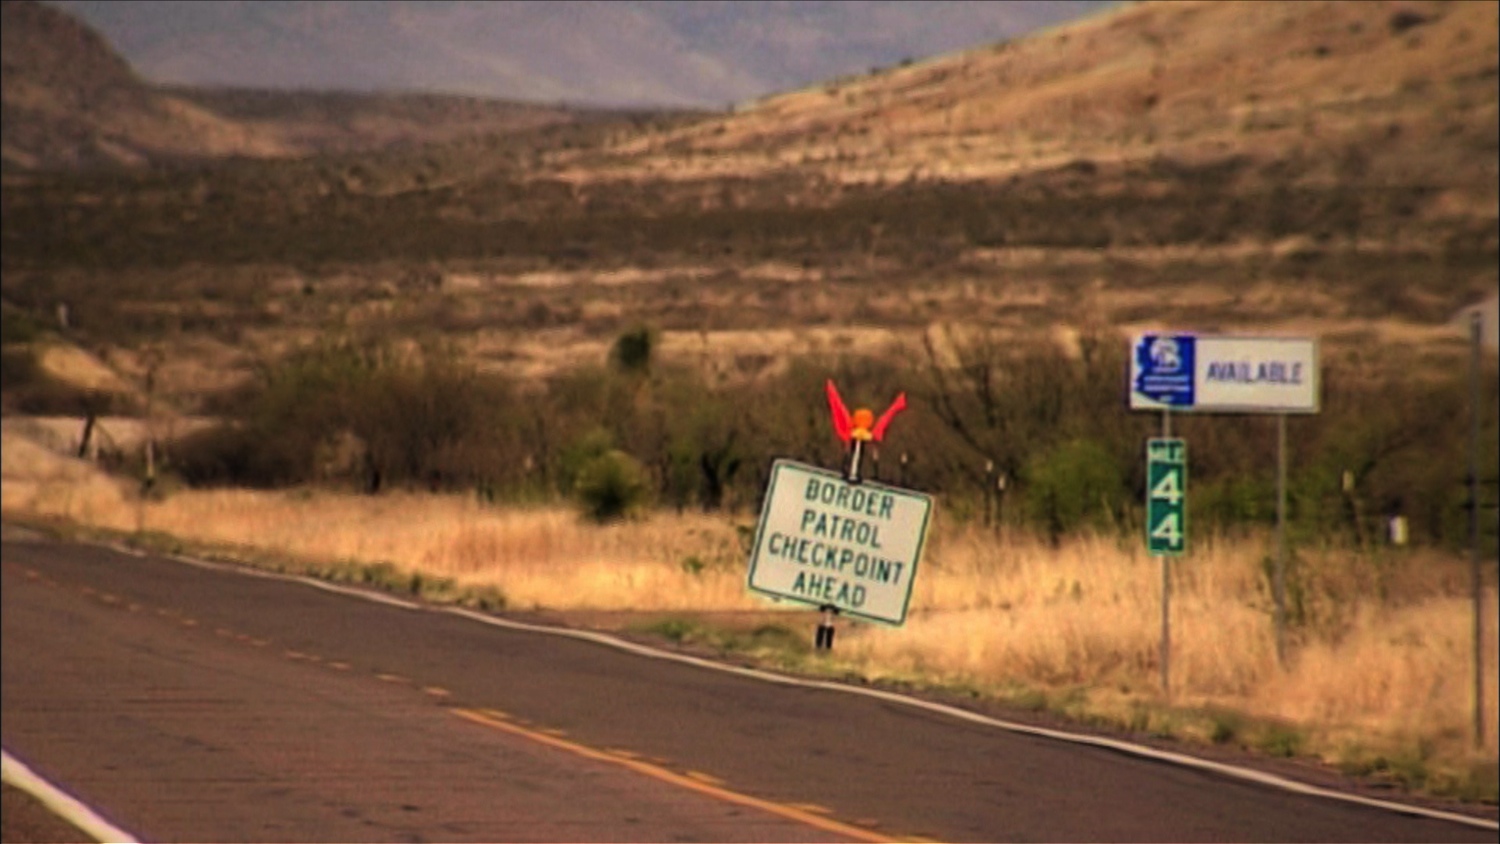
[862, 425]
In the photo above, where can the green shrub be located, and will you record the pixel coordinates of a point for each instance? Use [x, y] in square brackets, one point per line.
[632, 350]
[779, 637]
[613, 486]
[1077, 484]
[1281, 741]
[18, 367]
[676, 629]
[233, 454]
[1227, 727]
[1238, 499]
[589, 447]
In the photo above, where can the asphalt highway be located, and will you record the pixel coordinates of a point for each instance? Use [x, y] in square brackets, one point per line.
[193, 702]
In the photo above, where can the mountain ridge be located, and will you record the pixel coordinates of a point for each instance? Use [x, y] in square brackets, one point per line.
[644, 53]
[71, 101]
[1388, 94]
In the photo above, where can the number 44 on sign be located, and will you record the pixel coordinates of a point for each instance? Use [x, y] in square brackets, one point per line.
[1166, 496]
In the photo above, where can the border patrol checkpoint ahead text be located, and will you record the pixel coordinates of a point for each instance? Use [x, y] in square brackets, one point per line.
[828, 542]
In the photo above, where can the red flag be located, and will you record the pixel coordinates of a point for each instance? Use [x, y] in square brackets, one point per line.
[841, 423]
[878, 432]
[845, 426]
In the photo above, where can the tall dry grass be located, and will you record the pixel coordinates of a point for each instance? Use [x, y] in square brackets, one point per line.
[539, 557]
[1380, 657]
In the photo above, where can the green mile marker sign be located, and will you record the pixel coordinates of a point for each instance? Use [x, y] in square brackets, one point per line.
[1166, 495]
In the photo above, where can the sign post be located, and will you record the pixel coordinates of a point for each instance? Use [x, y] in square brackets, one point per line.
[1166, 525]
[1186, 372]
[1476, 335]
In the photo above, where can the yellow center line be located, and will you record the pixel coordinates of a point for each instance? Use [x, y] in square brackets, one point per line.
[681, 780]
[708, 778]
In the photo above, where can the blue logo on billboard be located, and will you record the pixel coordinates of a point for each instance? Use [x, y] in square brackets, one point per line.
[1164, 367]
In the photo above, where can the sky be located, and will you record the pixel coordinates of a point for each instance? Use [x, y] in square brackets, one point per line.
[705, 54]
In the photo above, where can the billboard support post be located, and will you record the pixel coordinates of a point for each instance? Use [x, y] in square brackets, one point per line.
[1166, 526]
[1280, 584]
[1166, 591]
[1476, 584]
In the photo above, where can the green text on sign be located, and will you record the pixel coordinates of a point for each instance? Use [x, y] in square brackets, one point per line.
[826, 542]
[1166, 495]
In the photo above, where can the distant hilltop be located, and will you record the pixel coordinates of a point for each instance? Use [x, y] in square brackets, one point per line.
[71, 101]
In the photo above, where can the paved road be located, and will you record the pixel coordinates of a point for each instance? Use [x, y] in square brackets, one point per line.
[191, 703]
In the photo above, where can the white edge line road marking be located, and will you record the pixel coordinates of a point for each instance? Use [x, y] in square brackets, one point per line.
[1231, 771]
[367, 594]
[61, 803]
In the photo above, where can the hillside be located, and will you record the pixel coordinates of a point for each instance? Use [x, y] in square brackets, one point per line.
[70, 101]
[1321, 168]
[312, 122]
[1380, 93]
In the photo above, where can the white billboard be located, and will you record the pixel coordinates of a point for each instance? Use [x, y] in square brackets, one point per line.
[1185, 372]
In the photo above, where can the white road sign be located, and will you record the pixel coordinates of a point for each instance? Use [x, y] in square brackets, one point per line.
[826, 542]
[1226, 374]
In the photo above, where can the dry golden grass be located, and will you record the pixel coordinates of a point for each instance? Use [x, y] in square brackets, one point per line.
[37, 481]
[1385, 666]
[1364, 671]
[540, 557]
[72, 365]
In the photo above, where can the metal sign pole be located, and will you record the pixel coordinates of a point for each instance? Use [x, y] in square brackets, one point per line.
[1166, 591]
[854, 430]
[823, 638]
[1280, 585]
[856, 461]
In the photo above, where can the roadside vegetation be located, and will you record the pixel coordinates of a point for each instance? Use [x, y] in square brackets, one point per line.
[1033, 439]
